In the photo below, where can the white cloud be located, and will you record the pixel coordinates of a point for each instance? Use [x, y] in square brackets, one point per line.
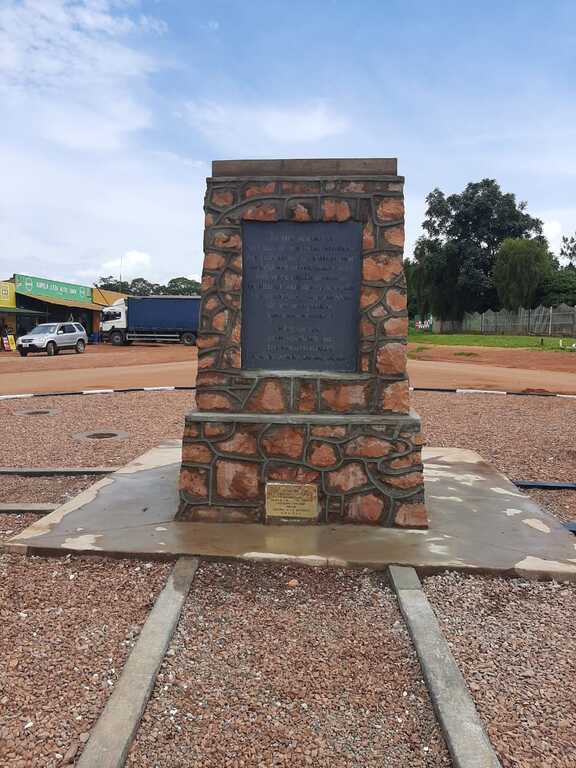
[74, 85]
[67, 75]
[553, 232]
[241, 128]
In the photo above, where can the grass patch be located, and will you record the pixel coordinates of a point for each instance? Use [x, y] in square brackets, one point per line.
[466, 354]
[478, 340]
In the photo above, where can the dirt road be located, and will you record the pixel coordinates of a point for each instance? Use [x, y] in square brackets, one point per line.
[147, 366]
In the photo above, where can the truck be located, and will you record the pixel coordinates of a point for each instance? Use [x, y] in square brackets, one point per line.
[151, 318]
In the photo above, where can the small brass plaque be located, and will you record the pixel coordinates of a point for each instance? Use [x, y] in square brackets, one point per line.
[291, 500]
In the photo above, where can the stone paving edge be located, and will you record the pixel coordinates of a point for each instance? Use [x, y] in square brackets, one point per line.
[465, 737]
[115, 729]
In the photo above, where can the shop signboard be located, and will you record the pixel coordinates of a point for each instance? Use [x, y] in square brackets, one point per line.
[42, 287]
[7, 295]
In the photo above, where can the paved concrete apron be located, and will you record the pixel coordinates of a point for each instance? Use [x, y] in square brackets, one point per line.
[479, 521]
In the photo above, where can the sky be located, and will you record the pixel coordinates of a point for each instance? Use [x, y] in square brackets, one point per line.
[111, 112]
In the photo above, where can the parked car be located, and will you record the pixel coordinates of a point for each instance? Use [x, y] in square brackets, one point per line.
[52, 337]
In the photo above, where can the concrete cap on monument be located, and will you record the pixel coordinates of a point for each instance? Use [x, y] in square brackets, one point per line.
[302, 349]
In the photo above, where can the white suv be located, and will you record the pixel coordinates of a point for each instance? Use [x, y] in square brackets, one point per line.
[52, 337]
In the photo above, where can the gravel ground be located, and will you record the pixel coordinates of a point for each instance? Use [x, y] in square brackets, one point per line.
[11, 524]
[43, 490]
[515, 642]
[562, 504]
[262, 673]
[67, 627]
[526, 438]
[147, 417]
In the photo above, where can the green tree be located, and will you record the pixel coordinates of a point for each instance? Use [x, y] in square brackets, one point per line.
[559, 288]
[182, 286]
[568, 248]
[520, 268]
[141, 287]
[111, 283]
[455, 259]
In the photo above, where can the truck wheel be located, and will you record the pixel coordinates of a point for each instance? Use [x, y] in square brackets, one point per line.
[51, 349]
[80, 346]
[188, 339]
[117, 338]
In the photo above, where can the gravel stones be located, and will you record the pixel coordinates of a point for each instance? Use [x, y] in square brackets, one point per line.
[515, 643]
[147, 417]
[47, 490]
[67, 628]
[279, 666]
[526, 438]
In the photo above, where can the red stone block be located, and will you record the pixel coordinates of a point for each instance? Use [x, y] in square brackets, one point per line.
[391, 358]
[214, 261]
[345, 397]
[412, 460]
[347, 478]
[241, 442]
[329, 431]
[396, 300]
[369, 296]
[194, 481]
[213, 401]
[307, 397]
[237, 479]
[396, 397]
[365, 508]
[227, 240]
[231, 281]
[196, 453]
[220, 320]
[301, 213]
[216, 429]
[205, 341]
[222, 198]
[257, 190]
[207, 361]
[268, 398]
[284, 441]
[322, 454]
[394, 236]
[390, 208]
[335, 210]
[381, 267]
[396, 326]
[368, 447]
[412, 480]
[291, 474]
[260, 212]
[368, 239]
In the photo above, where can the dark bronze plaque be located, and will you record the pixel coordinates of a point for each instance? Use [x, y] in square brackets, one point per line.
[300, 296]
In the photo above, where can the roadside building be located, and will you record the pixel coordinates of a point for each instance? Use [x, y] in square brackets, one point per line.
[39, 299]
[11, 316]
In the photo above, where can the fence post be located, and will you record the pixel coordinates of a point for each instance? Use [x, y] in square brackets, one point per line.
[550, 324]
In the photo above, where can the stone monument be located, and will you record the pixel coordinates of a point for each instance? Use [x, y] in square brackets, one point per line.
[302, 394]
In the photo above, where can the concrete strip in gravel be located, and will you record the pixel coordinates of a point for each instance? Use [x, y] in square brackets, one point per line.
[465, 737]
[115, 729]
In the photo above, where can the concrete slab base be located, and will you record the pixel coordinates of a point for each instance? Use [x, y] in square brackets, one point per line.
[479, 522]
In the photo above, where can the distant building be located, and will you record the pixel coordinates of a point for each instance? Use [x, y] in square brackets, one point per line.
[26, 300]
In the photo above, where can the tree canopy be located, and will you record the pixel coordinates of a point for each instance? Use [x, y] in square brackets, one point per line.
[455, 259]
[177, 286]
[520, 268]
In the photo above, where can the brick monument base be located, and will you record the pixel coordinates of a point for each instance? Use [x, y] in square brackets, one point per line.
[302, 347]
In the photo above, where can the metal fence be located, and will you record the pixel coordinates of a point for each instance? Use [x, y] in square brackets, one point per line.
[542, 321]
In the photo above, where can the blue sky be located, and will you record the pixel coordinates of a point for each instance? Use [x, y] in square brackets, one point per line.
[111, 111]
